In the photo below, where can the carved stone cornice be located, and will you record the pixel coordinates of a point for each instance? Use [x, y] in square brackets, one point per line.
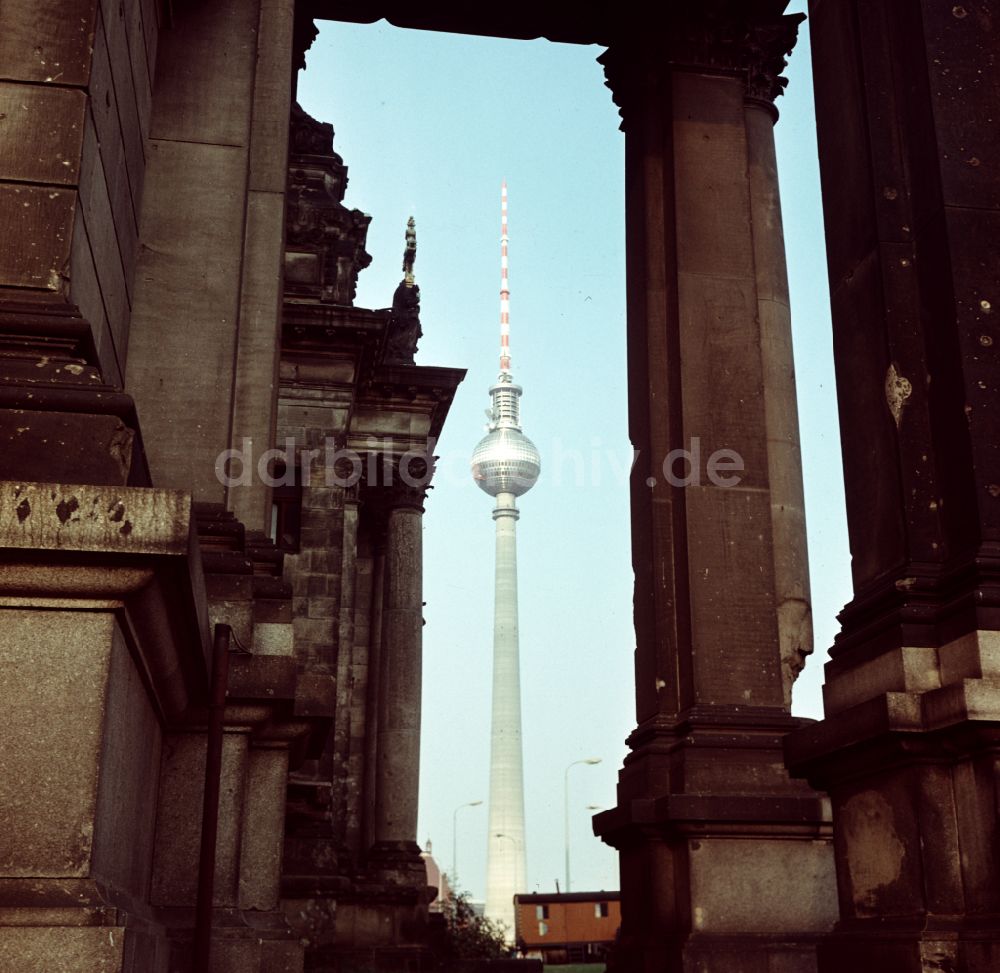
[309, 136]
[716, 37]
[52, 391]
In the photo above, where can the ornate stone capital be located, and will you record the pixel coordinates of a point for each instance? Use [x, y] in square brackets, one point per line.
[404, 496]
[397, 482]
[717, 36]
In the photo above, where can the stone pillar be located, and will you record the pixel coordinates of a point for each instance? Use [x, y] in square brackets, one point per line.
[398, 756]
[250, 934]
[205, 342]
[348, 731]
[380, 911]
[781, 415]
[725, 864]
[103, 637]
[910, 746]
[373, 688]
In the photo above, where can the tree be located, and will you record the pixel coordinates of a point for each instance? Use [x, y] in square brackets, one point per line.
[468, 935]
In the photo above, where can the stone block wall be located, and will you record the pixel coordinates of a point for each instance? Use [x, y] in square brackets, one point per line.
[205, 335]
[321, 573]
[76, 82]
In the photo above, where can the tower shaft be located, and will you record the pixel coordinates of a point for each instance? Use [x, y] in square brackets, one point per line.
[506, 859]
[506, 465]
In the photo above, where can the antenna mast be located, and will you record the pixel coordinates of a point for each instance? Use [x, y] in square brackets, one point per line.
[504, 290]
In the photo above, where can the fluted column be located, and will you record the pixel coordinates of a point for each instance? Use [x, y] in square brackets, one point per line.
[725, 864]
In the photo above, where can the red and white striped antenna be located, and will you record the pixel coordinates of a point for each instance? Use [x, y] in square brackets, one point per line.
[504, 288]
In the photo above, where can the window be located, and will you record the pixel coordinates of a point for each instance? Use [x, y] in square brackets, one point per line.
[543, 928]
[541, 912]
[286, 509]
[600, 910]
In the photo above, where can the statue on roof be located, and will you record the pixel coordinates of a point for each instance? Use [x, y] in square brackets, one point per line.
[404, 321]
[410, 253]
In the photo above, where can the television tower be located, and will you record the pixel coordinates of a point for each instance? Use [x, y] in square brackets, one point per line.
[506, 465]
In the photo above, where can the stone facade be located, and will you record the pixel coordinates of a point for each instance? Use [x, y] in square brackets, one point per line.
[357, 419]
[908, 749]
[198, 771]
[722, 590]
[177, 273]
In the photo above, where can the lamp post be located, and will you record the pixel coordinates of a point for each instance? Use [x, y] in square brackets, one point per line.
[454, 841]
[588, 760]
[517, 845]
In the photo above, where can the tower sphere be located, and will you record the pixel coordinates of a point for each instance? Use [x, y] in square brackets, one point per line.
[505, 461]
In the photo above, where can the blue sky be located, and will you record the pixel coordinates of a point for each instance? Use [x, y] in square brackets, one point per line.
[429, 125]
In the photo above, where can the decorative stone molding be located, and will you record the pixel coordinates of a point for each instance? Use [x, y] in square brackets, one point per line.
[717, 37]
[403, 496]
[52, 391]
[324, 240]
[304, 33]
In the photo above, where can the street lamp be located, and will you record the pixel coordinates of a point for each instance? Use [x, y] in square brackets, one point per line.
[517, 876]
[454, 841]
[588, 760]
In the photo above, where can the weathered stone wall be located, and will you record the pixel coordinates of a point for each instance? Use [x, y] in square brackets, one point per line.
[204, 354]
[322, 577]
[910, 744]
[130, 774]
[75, 96]
[100, 645]
[106, 236]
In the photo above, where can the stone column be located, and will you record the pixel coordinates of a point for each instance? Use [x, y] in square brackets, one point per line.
[906, 97]
[781, 415]
[373, 691]
[348, 732]
[398, 756]
[724, 862]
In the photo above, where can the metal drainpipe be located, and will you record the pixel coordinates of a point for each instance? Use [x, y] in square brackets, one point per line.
[210, 808]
